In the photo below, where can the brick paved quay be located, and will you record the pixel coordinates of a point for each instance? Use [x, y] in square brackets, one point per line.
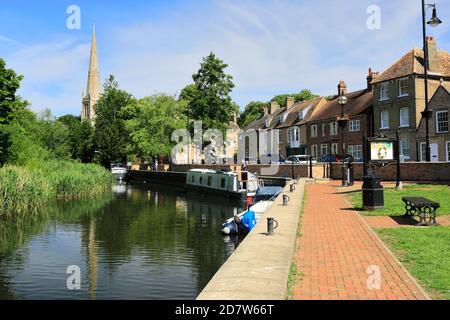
[336, 249]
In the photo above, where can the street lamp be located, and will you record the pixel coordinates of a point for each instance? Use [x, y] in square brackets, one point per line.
[342, 121]
[434, 22]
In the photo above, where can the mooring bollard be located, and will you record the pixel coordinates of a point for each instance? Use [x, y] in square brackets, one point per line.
[292, 188]
[272, 224]
[286, 199]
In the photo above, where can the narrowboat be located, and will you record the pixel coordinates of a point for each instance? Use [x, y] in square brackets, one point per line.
[232, 185]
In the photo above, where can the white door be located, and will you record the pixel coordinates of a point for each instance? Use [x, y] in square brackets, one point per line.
[434, 152]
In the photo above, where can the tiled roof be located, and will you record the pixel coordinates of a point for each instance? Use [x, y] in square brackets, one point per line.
[358, 103]
[293, 117]
[261, 123]
[412, 63]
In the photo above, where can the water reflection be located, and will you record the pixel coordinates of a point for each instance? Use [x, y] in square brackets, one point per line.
[139, 243]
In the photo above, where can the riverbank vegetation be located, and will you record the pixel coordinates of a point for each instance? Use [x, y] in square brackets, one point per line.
[24, 188]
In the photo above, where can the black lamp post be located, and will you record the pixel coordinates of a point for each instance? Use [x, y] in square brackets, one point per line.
[434, 22]
[342, 121]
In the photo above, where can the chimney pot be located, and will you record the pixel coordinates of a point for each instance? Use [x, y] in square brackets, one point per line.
[433, 59]
[342, 88]
[274, 106]
[290, 101]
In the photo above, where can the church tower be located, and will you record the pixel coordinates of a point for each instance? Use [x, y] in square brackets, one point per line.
[93, 85]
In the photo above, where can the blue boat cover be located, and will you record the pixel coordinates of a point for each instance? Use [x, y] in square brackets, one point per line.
[268, 191]
[249, 220]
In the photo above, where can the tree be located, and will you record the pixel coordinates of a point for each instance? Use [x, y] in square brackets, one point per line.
[209, 97]
[301, 96]
[253, 111]
[9, 105]
[110, 136]
[85, 147]
[150, 124]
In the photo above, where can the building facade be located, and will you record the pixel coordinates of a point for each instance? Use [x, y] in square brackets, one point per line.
[323, 133]
[399, 95]
[439, 128]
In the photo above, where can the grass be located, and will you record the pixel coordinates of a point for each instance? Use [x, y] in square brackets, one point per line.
[24, 189]
[294, 274]
[394, 206]
[425, 253]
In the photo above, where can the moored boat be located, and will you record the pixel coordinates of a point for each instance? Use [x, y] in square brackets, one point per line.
[119, 171]
[233, 185]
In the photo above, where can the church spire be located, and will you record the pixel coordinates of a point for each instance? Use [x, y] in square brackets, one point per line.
[93, 84]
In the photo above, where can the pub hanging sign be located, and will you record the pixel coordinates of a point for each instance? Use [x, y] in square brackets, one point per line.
[382, 150]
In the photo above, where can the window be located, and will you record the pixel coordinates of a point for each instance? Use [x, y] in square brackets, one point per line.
[442, 121]
[268, 123]
[384, 91]
[193, 179]
[209, 181]
[200, 181]
[324, 149]
[355, 152]
[280, 137]
[403, 88]
[222, 183]
[293, 135]
[404, 149]
[354, 125]
[323, 129]
[404, 117]
[314, 130]
[447, 144]
[334, 149]
[314, 151]
[333, 129]
[384, 119]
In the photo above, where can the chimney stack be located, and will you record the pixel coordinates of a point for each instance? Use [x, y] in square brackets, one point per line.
[433, 59]
[290, 101]
[266, 111]
[372, 75]
[342, 88]
[274, 106]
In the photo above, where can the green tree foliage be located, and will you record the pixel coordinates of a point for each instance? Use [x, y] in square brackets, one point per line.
[85, 147]
[110, 136]
[10, 103]
[54, 136]
[151, 122]
[209, 97]
[253, 111]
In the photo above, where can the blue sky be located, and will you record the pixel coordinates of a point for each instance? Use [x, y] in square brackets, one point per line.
[271, 46]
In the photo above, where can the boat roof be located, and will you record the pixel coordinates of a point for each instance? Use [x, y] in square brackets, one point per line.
[209, 171]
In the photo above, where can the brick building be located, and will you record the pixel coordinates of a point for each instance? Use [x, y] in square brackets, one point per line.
[439, 128]
[324, 134]
[399, 95]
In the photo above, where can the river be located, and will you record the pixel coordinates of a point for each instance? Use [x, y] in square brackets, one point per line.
[139, 242]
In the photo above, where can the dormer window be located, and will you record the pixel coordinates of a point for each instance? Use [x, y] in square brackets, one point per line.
[403, 88]
[268, 123]
[384, 91]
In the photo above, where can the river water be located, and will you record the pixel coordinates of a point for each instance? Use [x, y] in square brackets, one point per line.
[140, 242]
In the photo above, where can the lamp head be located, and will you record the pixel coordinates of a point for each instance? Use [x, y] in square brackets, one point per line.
[434, 21]
[342, 100]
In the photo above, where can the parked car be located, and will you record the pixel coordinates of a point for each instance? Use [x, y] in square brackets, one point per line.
[299, 159]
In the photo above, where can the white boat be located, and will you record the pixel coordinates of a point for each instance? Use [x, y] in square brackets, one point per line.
[119, 171]
[233, 185]
[264, 198]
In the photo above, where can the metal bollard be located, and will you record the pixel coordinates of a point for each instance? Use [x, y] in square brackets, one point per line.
[286, 199]
[272, 224]
[292, 188]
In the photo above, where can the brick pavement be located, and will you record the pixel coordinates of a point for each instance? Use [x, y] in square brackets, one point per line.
[336, 249]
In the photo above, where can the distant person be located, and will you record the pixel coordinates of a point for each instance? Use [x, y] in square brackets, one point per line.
[156, 165]
[244, 165]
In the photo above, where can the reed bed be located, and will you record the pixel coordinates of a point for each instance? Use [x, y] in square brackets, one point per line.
[24, 189]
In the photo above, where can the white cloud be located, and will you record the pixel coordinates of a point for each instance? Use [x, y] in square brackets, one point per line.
[271, 46]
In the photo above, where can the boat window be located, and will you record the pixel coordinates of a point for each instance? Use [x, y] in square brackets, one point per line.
[222, 183]
[193, 179]
[200, 180]
[209, 180]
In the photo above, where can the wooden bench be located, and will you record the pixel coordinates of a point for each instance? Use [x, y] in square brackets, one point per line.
[424, 208]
